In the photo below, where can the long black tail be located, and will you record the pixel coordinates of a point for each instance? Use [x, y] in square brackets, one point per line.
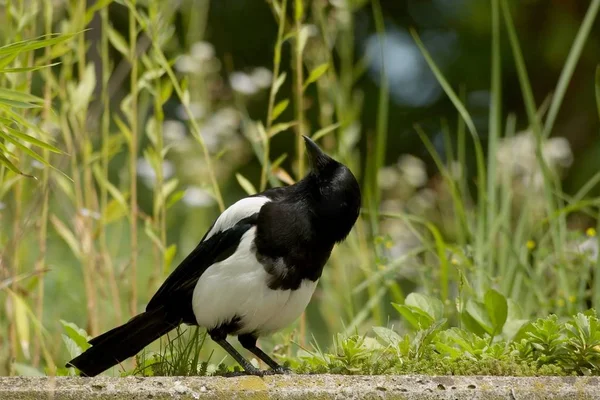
[123, 342]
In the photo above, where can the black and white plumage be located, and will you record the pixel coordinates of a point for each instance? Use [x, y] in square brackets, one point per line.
[252, 274]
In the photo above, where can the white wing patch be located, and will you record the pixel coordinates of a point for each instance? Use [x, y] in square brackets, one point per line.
[237, 287]
[236, 212]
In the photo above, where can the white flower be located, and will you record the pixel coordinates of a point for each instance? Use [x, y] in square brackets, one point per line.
[187, 64]
[387, 178]
[589, 247]
[242, 83]
[173, 130]
[197, 197]
[148, 174]
[262, 77]
[518, 161]
[90, 213]
[413, 170]
[198, 111]
[37, 165]
[202, 51]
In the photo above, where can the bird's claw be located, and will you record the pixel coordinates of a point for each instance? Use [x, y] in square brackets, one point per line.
[279, 371]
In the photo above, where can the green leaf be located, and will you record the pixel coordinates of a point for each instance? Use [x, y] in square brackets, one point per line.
[114, 211]
[277, 128]
[479, 313]
[279, 108]
[416, 317]
[81, 94]
[34, 44]
[169, 256]
[388, 336]
[30, 139]
[21, 322]
[71, 346]
[322, 132]
[118, 42]
[174, 199]
[315, 74]
[277, 84]
[4, 160]
[303, 37]
[430, 305]
[246, 184]
[79, 336]
[278, 161]
[66, 234]
[497, 309]
[8, 104]
[471, 324]
[169, 187]
[24, 148]
[24, 97]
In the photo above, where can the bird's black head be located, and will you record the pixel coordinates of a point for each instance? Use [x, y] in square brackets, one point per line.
[335, 193]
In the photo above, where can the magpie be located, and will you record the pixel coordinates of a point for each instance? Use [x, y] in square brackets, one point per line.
[252, 274]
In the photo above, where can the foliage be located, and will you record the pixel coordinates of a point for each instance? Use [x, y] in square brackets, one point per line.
[546, 346]
[154, 131]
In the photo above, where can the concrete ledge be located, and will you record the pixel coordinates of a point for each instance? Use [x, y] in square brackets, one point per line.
[301, 387]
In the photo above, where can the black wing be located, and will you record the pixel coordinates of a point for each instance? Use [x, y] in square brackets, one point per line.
[177, 290]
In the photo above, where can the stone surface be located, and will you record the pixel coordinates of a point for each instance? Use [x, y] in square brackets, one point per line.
[301, 387]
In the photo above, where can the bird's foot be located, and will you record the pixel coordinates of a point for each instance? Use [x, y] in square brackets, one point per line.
[279, 371]
[246, 372]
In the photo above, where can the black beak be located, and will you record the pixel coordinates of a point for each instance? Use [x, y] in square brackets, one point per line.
[316, 157]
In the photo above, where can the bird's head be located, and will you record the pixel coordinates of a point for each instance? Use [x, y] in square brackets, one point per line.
[336, 193]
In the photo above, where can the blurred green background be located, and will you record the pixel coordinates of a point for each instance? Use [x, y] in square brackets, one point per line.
[156, 103]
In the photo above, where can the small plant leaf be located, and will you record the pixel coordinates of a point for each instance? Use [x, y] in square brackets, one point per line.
[322, 132]
[277, 84]
[67, 235]
[169, 256]
[21, 323]
[315, 74]
[497, 309]
[77, 334]
[388, 336]
[118, 41]
[478, 313]
[279, 108]
[277, 128]
[416, 317]
[430, 305]
[246, 184]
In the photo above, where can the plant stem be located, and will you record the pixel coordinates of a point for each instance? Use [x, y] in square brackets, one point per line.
[133, 151]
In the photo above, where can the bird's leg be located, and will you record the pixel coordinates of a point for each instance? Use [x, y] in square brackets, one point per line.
[248, 341]
[219, 338]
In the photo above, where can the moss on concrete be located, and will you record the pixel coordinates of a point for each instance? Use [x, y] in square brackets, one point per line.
[300, 387]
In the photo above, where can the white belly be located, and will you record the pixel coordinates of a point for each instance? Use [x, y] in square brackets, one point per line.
[237, 287]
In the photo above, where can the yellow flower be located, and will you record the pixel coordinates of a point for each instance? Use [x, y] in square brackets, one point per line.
[572, 299]
[560, 302]
[531, 244]
[591, 232]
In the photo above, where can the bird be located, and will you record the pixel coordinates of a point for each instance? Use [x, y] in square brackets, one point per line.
[251, 275]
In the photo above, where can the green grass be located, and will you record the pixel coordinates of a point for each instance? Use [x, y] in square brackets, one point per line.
[89, 240]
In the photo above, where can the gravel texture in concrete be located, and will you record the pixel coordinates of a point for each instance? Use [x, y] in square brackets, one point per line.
[301, 387]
